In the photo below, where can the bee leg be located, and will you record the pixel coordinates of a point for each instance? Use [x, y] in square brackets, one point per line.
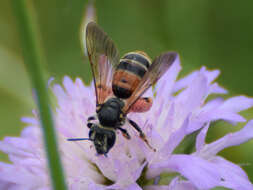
[142, 135]
[124, 133]
[89, 124]
[142, 105]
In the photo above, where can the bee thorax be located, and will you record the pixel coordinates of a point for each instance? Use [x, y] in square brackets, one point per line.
[110, 113]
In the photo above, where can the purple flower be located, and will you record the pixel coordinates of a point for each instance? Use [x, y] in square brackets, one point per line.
[180, 108]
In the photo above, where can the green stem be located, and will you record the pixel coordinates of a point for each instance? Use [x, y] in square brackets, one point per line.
[33, 60]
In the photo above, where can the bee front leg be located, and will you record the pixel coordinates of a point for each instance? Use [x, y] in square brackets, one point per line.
[124, 133]
[142, 135]
[89, 121]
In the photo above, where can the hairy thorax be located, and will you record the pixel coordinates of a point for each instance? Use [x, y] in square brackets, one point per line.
[110, 113]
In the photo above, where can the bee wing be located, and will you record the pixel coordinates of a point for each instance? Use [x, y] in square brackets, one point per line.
[104, 58]
[158, 67]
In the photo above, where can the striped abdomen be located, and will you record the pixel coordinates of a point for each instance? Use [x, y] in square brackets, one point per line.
[129, 73]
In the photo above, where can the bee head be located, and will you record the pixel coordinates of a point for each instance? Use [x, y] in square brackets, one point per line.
[102, 138]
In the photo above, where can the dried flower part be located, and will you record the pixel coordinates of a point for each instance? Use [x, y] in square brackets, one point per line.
[179, 109]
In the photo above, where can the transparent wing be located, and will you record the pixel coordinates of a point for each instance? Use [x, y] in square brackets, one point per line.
[159, 66]
[104, 58]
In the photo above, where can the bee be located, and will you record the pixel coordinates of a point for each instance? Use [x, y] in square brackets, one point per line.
[119, 86]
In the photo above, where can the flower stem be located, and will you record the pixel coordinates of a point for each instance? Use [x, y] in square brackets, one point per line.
[33, 59]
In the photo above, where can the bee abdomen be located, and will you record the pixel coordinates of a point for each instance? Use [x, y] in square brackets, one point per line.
[128, 74]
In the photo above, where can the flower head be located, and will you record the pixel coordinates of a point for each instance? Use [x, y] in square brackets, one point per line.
[180, 108]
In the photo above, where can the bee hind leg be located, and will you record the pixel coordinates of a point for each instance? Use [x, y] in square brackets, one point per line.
[142, 105]
[142, 135]
[124, 133]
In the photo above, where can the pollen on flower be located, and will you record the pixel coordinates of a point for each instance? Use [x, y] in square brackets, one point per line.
[179, 109]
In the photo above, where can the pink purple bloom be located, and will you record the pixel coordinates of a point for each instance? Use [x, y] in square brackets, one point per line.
[179, 109]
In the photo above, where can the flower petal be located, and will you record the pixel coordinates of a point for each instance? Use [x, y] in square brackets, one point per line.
[233, 176]
[166, 83]
[59, 93]
[211, 75]
[216, 89]
[85, 183]
[237, 104]
[19, 175]
[6, 185]
[175, 184]
[200, 140]
[133, 186]
[199, 172]
[157, 187]
[232, 139]
[69, 86]
[30, 120]
[17, 146]
[196, 93]
[174, 140]
[186, 81]
[217, 109]
[32, 132]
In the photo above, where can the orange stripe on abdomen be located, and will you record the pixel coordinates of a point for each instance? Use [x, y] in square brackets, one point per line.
[129, 72]
[124, 83]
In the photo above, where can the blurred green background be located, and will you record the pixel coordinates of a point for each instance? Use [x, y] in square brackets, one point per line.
[215, 33]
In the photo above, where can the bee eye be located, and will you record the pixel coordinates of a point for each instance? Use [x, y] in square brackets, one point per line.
[111, 140]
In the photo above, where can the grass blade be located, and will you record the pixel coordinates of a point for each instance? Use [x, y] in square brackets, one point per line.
[33, 59]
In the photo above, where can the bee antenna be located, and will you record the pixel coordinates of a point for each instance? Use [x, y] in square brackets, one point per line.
[79, 139]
